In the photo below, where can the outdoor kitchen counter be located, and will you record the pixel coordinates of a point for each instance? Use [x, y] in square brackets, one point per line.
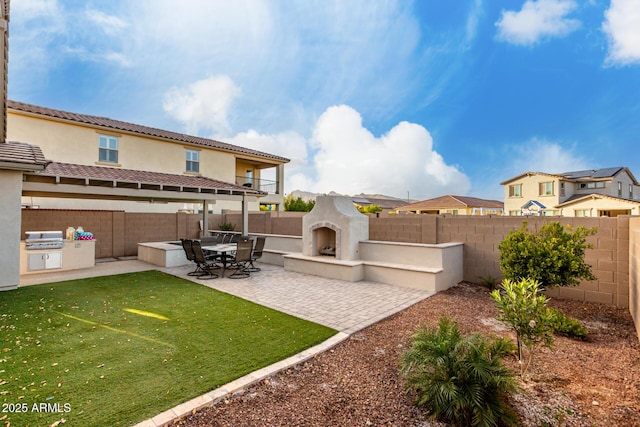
[74, 255]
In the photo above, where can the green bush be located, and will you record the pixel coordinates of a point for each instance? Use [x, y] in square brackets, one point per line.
[370, 209]
[489, 281]
[552, 256]
[525, 310]
[460, 379]
[568, 326]
[227, 226]
[297, 204]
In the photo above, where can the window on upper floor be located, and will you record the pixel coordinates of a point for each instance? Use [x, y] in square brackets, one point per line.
[515, 190]
[193, 161]
[631, 191]
[592, 185]
[562, 193]
[108, 149]
[619, 189]
[546, 188]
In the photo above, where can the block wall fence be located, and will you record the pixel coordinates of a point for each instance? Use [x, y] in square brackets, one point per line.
[615, 257]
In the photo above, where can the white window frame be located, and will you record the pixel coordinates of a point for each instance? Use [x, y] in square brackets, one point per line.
[108, 148]
[192, 161]
[513, 192]
[545, 188]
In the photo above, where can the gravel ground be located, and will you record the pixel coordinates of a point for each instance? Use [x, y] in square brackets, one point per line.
[594, 383]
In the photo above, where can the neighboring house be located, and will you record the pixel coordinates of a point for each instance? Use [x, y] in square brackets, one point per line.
[83, 147]
[454, 205]
[602, 192]
[388, 204]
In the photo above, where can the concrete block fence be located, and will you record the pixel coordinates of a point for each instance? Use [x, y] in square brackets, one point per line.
[118, 234]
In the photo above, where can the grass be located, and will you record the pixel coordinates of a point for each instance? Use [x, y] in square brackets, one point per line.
[116, 350]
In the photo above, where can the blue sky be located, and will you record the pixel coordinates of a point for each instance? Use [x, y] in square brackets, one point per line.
[401, 98]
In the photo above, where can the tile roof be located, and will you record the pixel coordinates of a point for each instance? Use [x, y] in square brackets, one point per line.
[449, 201]
[579, 197]
[24, 155]
[102, 173]
[138, 129]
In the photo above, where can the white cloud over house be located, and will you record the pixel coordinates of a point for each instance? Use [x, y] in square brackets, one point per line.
[350, 159]
[537, 20]
[622, 27]
[540, 155]
[203, 105]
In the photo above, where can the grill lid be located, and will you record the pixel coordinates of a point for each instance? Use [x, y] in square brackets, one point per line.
[39, 236]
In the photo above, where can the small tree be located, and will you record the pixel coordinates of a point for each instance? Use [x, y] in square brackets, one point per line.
[525, 310]
[552, 256]
[460, 379]
[297, 204]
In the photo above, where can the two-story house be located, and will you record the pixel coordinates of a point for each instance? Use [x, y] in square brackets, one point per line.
[120, 154]
[603, 192]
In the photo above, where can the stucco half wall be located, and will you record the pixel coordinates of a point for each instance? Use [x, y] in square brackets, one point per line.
[10, 218]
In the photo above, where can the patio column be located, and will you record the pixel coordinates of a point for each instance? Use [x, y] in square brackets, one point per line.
[205, 218]
[245, 215]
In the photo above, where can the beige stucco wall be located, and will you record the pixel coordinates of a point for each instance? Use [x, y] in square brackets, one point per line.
[596, 205]
[634, 271]
[530, 191]
[80, 146]
[10, 218]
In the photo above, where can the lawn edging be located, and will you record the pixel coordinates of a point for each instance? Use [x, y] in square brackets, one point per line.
[211, 398]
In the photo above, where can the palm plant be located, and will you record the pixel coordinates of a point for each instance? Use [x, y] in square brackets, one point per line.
[460, 379]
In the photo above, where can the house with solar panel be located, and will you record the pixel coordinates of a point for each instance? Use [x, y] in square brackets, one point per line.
[587, 193]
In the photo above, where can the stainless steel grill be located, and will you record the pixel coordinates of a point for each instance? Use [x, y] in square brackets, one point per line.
[43, 240]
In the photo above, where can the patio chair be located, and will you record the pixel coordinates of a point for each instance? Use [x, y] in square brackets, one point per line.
[206, 267]
[241, 259]
[210, 240]
[256, 254]
[191, 256]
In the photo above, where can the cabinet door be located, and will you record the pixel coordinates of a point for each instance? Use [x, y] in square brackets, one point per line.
[53, 260]
[37, 261]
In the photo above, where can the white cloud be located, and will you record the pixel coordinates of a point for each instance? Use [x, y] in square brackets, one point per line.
[539, 155]
[622, 27]
[537, 20]
[350, 159]
[203, 105]
[109, 24]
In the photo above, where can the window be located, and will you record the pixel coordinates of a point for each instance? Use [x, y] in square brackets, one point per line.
[193, 161]
[631, 191]
[619, 189]
[515, 190]
[583, 212]
[546, 188]
[108, 151]
[515, 213]
[591, 185]
[562, 189]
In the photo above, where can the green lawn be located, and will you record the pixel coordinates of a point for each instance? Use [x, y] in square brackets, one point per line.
[116, 350]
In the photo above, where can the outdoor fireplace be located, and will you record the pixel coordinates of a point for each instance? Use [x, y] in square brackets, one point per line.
[334, 228]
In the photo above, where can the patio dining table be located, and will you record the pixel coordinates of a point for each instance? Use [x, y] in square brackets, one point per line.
[222, 249]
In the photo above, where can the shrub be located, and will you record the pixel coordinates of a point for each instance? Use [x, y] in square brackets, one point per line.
[489, 281]
[567, 326]
[297, 204]
[370, 209]
[552, 256]
[227, 226]
[460, 379]
[525, 310]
